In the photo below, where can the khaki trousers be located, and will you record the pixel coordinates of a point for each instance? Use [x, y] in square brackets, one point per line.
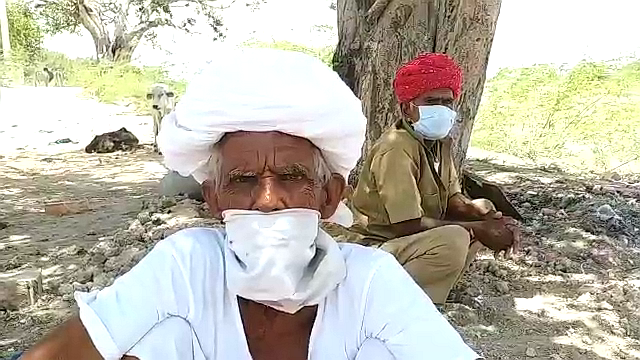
[437, 258]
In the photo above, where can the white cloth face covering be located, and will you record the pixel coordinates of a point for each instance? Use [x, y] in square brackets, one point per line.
[281, 258]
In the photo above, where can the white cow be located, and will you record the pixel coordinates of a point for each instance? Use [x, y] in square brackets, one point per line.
[43, 77]
[162, 103]
[48, 77]
[58, 78]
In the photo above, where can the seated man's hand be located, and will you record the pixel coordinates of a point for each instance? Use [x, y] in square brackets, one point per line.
[462, 208]
[500, 233]
[485, 210]
[492, 215]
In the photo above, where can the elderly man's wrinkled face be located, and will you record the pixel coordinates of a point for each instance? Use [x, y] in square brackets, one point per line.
[268, 171]
[442, 96]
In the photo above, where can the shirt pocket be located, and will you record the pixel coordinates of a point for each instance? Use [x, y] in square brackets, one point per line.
[431, 205]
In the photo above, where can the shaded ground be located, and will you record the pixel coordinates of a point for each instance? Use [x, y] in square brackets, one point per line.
[573, 294]
[34, 169]
[575, 291]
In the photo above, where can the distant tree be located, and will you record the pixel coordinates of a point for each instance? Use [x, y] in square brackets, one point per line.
[118, 26]
[26, 33]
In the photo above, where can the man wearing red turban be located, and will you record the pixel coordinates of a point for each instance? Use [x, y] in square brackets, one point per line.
[409, 195]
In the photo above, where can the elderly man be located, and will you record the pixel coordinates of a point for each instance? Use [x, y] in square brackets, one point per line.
[271, 135]
[409, 194]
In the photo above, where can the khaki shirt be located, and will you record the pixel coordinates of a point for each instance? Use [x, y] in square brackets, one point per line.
[399, 182]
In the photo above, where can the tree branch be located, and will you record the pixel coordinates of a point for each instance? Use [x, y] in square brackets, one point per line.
[202, 3]
[143, 28]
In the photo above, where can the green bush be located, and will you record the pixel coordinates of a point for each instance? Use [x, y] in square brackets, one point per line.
[586, 117]
[126, 83]
[26, 33]
[113, 83]
[109, 82]
[26, 43]
[12, 69]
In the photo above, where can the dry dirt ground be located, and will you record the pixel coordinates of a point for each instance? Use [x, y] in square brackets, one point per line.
[574, 293]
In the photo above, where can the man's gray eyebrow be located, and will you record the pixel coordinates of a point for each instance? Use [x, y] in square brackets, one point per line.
[294, 168]
[238, 172]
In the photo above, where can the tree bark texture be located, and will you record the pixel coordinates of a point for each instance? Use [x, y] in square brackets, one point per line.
[377, 36]
[88, 15]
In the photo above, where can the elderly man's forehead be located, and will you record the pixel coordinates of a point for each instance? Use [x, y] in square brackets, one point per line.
[246, 148]
[439, 93]
[265, 139]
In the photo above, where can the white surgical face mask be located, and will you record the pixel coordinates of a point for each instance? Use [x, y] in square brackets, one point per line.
[435, 121]
[281, 259]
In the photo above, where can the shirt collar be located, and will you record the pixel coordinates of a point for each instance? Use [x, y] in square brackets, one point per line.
[428, 144]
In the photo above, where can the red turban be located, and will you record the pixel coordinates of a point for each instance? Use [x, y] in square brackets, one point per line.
[425, 73]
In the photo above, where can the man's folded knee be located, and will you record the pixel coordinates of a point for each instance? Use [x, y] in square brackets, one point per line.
[454, 237]
[451, 234]
[455, 241]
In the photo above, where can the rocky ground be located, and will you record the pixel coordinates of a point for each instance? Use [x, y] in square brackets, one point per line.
[574, 293]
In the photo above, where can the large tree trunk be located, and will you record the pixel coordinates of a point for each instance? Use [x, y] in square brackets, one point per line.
[377, 36]
[123, 44]
[121, 53]
[121, 48]
[89, 16]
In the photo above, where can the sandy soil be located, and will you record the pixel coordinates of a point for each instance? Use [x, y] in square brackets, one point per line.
[573, 294]
[575, 291]
[34, 170]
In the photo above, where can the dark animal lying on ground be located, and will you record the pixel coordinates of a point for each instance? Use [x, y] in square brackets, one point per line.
[113, 141]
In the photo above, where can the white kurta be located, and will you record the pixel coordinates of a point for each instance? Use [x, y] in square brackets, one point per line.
[174, 305]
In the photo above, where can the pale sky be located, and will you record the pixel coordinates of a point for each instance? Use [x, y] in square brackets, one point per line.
[564, 31]
[528, 32]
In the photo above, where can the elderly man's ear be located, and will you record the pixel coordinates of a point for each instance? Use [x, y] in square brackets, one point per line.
[334, 190]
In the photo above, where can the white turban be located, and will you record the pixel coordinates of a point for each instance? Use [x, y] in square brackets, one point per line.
[263, 90]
